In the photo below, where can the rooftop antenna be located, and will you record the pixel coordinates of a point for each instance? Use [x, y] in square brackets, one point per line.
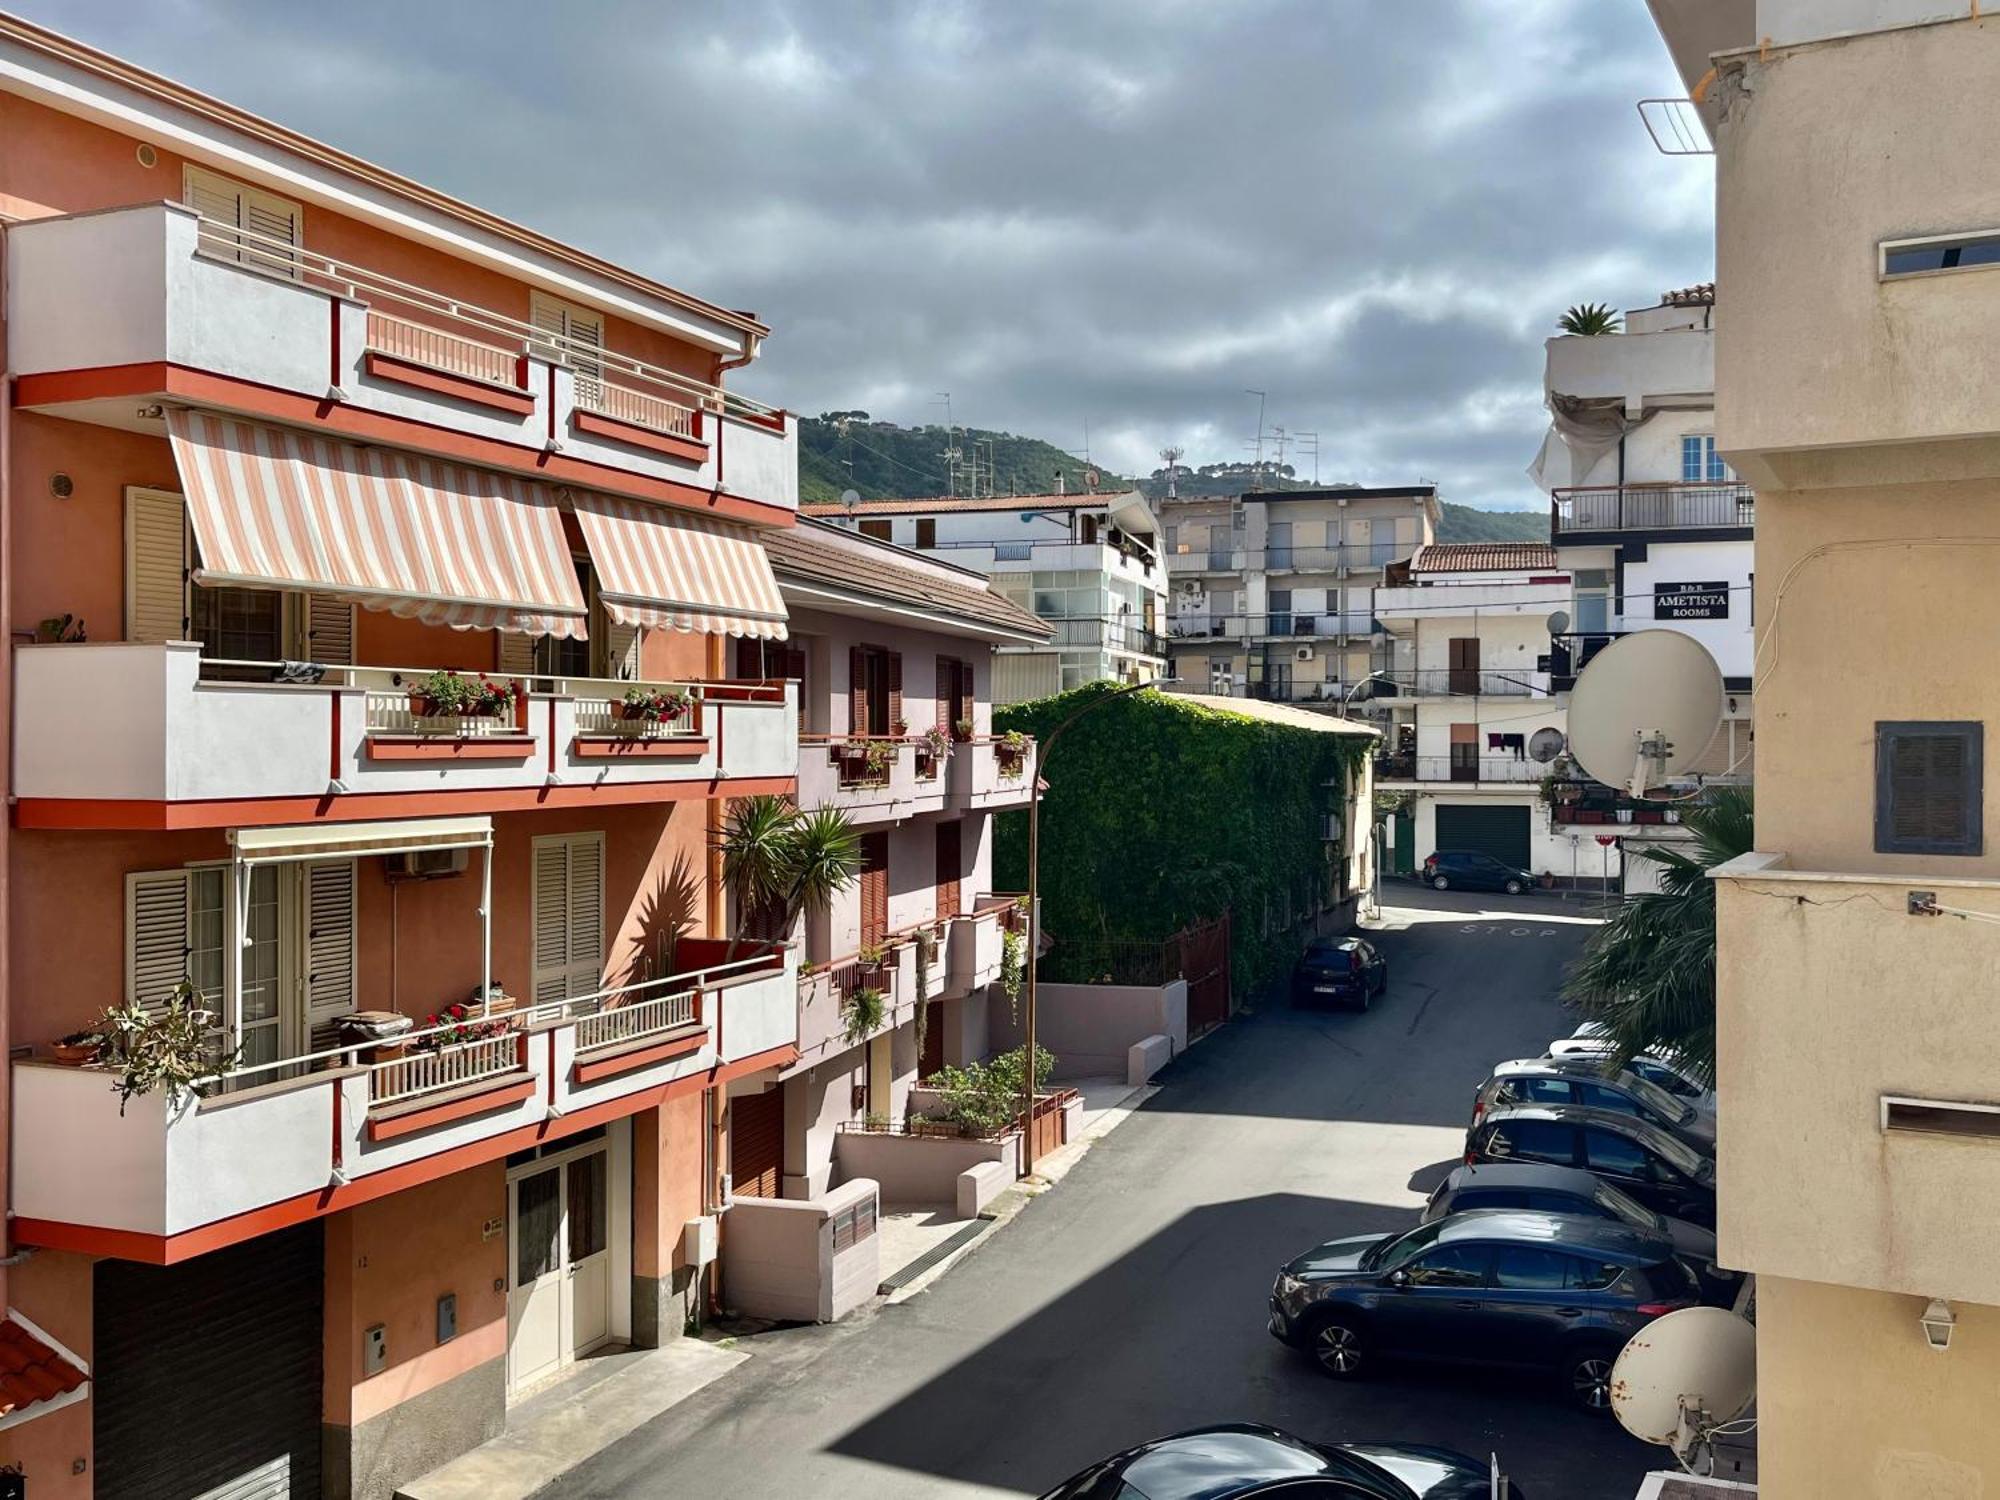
[950, 455]
[1309, 443]
[1171, 457]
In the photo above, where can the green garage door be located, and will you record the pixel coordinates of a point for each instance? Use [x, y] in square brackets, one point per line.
[1499, 831]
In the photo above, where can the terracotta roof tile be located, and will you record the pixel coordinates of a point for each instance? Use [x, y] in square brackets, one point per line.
[1700, 295]
[809, 551]
[31, 1370]
[1483, 557]
[943, 504]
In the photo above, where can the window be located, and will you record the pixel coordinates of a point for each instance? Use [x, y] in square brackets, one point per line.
[1699, 461]
[581, 330]
[568, 916]
[1593, 1275]
[243, 223]
[1928, 787]
[1952, 253]
[1597, 1096]
[1541, 1090]
[1605, 1151]
[1451, 1265]
[882, 531]
[1593, 601]
[1529, 1268]
[926, 531]
[1533, 1140]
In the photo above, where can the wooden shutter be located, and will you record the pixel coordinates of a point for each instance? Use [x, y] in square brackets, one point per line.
[517, 653]
[965, 695]
[894, 666]
[857, 691]
[569, 916]
[950, 869]
[756, 1144]
[1929, 788]
[947, 691]
[156, 935]
[621, 651]
[329, 631]
[584, 331]
[1464, 660]
[874, 889]
[749, 659]
[237, 205]
[329, 896]
[156, 566]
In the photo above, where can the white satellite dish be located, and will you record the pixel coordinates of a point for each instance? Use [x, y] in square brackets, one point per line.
[1646, 709]
[1559, 622]
[1683, 1376]
[850, 498]
[1545, 744]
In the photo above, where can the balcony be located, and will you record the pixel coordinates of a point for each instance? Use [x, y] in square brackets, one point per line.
[1613, 509]
[990, 772]
[871, 778]
[1206, 560]
[301, 1135]
[182, 749]
[1301, 624]
[1471, 682]
[1858, 1062]
[1120, 633]
[1281, 559]
[179, 308]
[1482, 770]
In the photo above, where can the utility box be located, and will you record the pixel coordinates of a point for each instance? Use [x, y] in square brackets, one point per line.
[698, 1241]
[375, 1350]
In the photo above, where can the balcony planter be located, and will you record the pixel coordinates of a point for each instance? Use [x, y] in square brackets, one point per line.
[1010, 751]
[641, 712]
[450, 704]
[961, 731]
[78, 1049]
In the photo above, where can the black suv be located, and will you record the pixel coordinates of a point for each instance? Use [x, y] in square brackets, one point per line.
[1467, 870]
[1239, 1460]
[1557, 1291]
[1345, 970]
[1661, 1171]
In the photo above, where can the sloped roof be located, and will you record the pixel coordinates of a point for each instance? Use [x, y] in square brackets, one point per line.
[1700, 295]
[31, 1369]
[816, 553]
[951, 504]
[1484, 557]
[1280, 713]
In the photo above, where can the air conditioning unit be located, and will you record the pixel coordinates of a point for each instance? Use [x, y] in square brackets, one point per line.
[429, 864]
[1302, 653]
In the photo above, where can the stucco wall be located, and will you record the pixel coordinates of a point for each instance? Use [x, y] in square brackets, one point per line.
[1851, 1402]
[53, 1291]
[913, 1171]
[1089, 1027]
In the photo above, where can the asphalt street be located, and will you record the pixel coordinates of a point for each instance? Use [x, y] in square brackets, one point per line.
[1129, 1301]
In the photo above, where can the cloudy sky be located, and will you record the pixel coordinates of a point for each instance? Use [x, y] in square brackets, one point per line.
[1119, 213]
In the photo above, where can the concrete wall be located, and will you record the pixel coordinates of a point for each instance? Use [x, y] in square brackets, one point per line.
[1088, 1028]
[914, 1171]
[778, 1259]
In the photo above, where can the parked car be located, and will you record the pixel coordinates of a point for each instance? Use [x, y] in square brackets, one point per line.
[1347, 970]
[1582, 1080]
[1469, 870]
[1560, 1291]
[1220, 1463]
[1570, 1190]
[1675, 1077]
[1660, 1170]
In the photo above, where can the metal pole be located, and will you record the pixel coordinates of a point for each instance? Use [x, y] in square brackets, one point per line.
[1034, 944]
[486, 928]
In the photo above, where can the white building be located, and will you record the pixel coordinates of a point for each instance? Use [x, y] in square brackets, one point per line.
[1088, 564]
[1490, 721]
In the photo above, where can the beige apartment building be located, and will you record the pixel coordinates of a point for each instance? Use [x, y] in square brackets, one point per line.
[1858, 235]
[1271, 593]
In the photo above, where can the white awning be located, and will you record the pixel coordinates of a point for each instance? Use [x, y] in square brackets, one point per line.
[302, 841]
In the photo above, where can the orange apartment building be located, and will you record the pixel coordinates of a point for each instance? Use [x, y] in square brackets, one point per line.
[287, 434]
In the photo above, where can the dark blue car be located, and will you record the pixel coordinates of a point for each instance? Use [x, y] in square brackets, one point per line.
[1339, 971]
[1554, 1291]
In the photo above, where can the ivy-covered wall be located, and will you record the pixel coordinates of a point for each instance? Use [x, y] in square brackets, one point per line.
[1161, 812]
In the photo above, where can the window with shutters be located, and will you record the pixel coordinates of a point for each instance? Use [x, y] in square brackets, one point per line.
[1929, 787]
[875, 689]
[569, 916]
[882, 531]
[581, 330]
[927, 531]
[156, 566]
[243, 223]
[874, 889]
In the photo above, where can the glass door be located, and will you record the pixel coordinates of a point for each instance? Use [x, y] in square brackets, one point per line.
[535, 1276]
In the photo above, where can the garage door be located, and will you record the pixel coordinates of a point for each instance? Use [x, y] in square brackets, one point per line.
[756, 1143]
[206, 1376]
[1499, 831]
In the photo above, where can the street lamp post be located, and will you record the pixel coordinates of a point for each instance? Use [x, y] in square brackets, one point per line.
[1035, 907]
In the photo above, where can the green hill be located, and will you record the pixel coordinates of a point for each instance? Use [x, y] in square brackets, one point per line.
[845, 450]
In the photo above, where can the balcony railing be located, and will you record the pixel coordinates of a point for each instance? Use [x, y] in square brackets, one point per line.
[1308, 624]
[1653, 507]
[1482, 768]
[1283, 559]
[449, 1067]
[1471, 682]
[437, 350]
[1108, 633]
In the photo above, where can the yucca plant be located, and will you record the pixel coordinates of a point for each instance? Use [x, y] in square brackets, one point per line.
[781, 862]
[1590, 319]
[1649, 972]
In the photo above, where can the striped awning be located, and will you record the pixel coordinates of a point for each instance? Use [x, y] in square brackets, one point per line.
[667, 569]
[388, 530]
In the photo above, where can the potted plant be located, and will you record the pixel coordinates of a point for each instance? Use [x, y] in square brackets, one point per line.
[933, 750]
[442, 698]
[962, 730]
[863, 1011]
[900, 729]
[60, 630]
[170, 1047]
[78, 1049]
[1011, 751]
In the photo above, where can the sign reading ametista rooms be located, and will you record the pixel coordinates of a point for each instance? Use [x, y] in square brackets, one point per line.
[1691, 601]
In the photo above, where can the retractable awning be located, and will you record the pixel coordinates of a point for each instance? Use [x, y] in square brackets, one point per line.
[666, 569]
[302, 841]
[393, 531]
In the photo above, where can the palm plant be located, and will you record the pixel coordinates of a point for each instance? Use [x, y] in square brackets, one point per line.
[1648, 974]
[1590, 319]
[824, 856]
[781, 862]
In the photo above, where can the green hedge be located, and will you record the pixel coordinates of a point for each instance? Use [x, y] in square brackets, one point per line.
[1161, 812]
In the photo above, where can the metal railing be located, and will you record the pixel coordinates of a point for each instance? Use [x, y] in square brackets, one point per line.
[609, 399]
[1306, 624]
[1112, 632]
[268, 255]
[1480, 768]
[1470, 682]
[628, 1023]
[438, 350]
[1287, 559]
[1653, 507]
[448, 1067]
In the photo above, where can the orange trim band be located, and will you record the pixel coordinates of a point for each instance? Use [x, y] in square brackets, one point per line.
[450, 747]
[446, 383]
[169, 1249]
[594, 1069]
[138, 815]
[615, 747]
[394, 1127]
[157, 378]
[635, 436]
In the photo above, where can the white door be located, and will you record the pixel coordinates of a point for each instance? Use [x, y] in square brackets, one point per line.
[559, 1275]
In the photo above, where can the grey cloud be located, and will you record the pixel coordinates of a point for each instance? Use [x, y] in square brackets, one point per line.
[1120, 213]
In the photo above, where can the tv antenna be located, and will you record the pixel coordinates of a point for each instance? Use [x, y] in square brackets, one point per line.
[1258, 446]
[1645, 709]
[1171, 457]
[1684, 1379]
[1309, 443]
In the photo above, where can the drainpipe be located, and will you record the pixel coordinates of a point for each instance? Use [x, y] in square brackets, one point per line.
[713, 1154]
[6, 776]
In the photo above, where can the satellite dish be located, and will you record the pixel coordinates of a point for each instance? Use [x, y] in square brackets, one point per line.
[1646, 708]
[1683, 1376]
[850, 498]
[1559, 622]
[1546, 744]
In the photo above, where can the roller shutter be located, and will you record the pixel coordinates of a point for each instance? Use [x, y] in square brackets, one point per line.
[1499, 831]
[206, 1374]
[757, 1144]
